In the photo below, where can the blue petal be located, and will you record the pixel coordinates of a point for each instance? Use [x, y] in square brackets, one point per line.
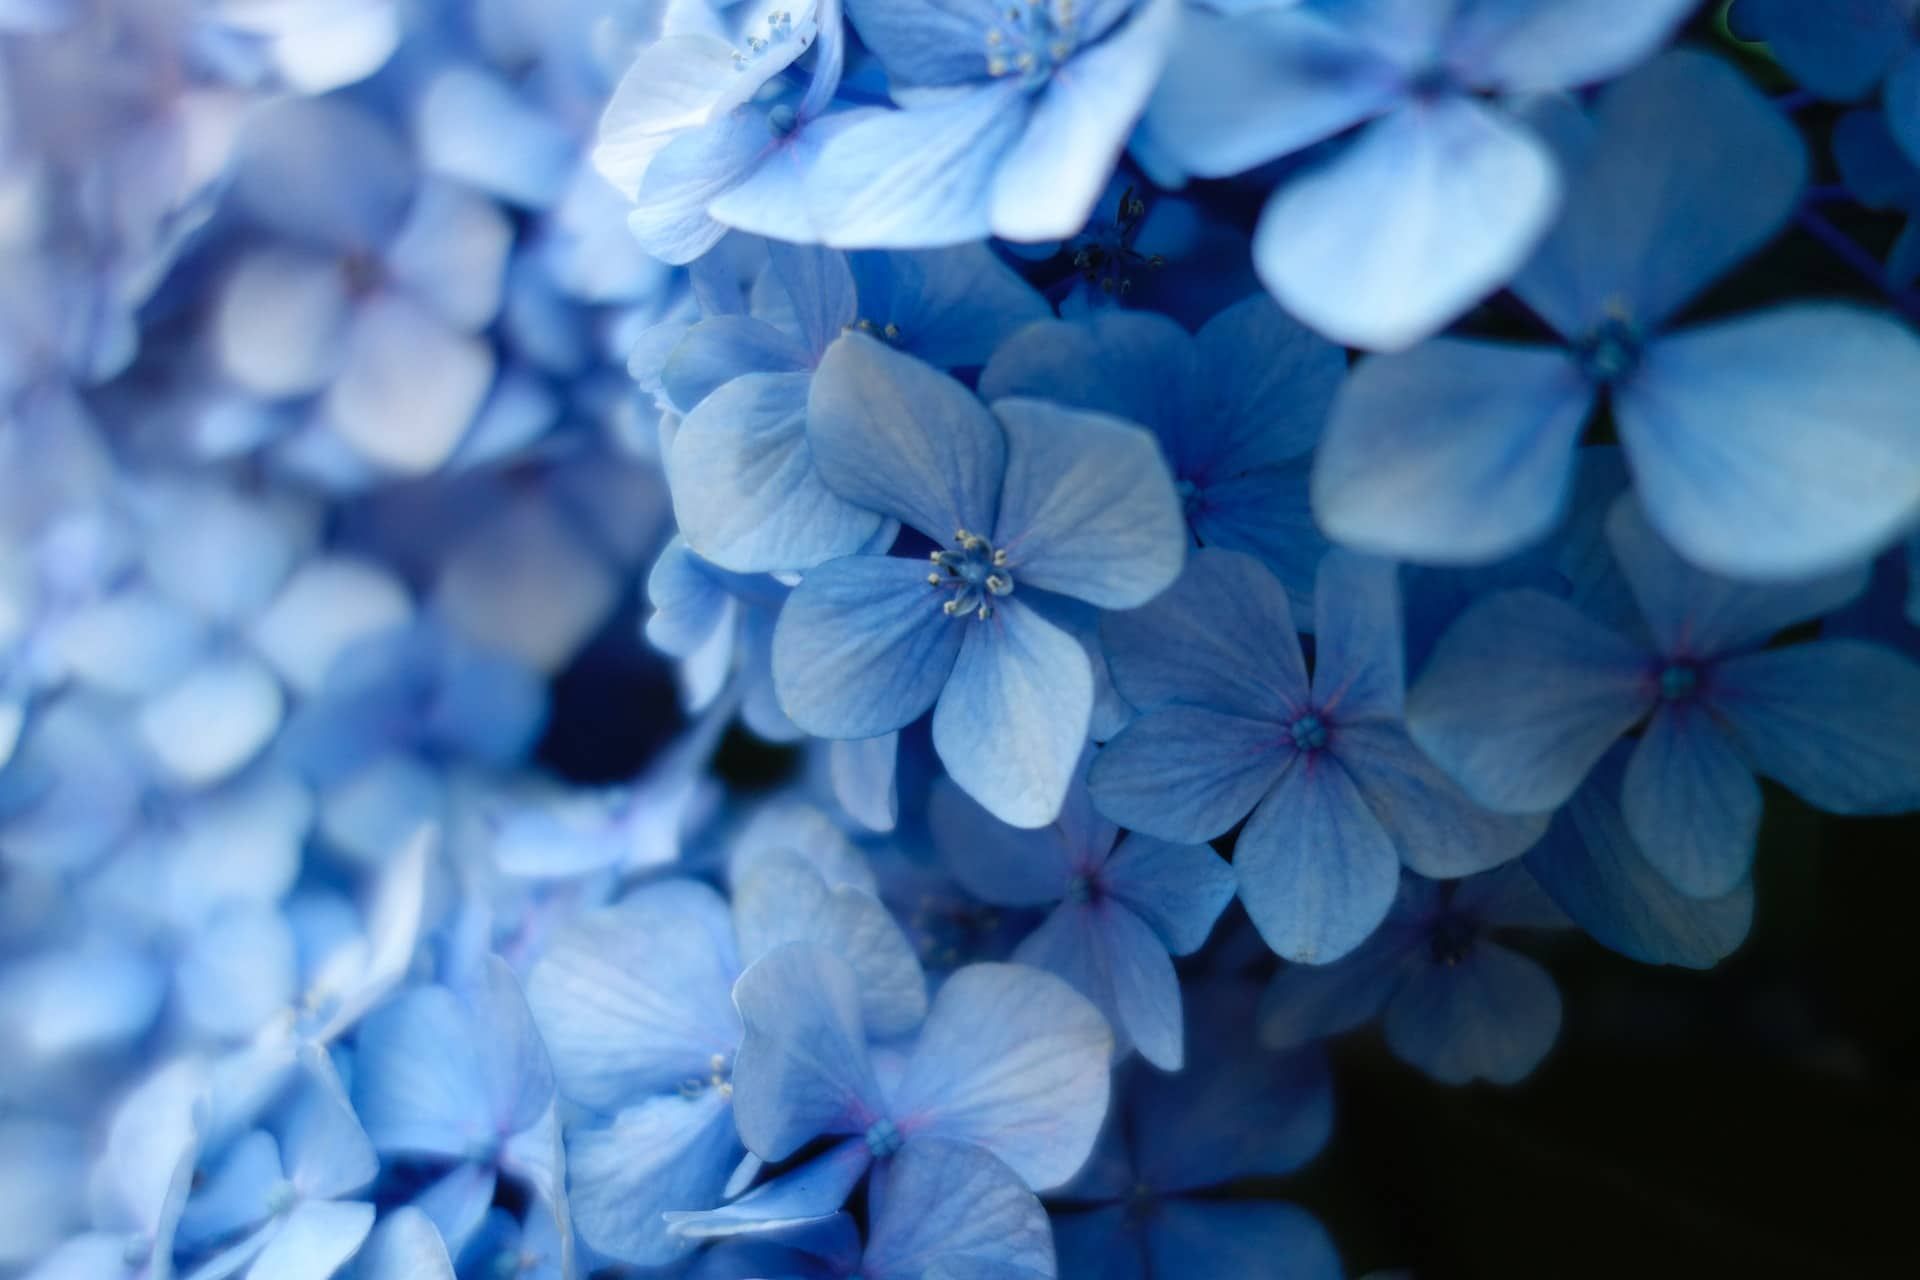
[819, 283]
[327, 604]
[1436, 826]
[781, 899]
[233, 1196]
[1691, 803]
[1425, 213]
[1220, 1240]
[323, 170]
[1591, 866]
[634, 998]
[748, 494]
[381, 404]
[1522, 695]
[1136, 365]
[1013, 1060]
[216, 719]
[239, 970]
[1780, 444]
[917, 178]
[1655, 213]
[892, 435]
[1269, 383]
[1051, 178]
[862, 772]
[924, 42]
[1457, 452]
[996, 863]
[1523, 46]
[405, 1246]
[452, 255]
[950, 1211]
[670, 219]
[417, 1080]
[315, 1239]
[952, 307]
[1491, 1016]
[325, 1151]
[96, 995]
[1837, 48]
[471, 126]
[1359, 669]
[802, 1070]
[279, 320]
[1697, 615]
[1088, 507]
[1239, 91]
[862, 647]
[1013, 718]
[808, 1194]
[1221, 637]
[1832, 721]
[1311, 1002]
[720, 349]
[1146, 991]
[1902, 95]
[771, 199]
[1187, 773]
[1317, 871]
[1102, 1242]
[668, 1153]
[1178, 889]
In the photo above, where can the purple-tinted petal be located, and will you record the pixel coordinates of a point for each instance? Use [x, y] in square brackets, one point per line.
[950, 1211]
[1187, 773]
[1438, 829]
[670, 1152]
[1178, 889]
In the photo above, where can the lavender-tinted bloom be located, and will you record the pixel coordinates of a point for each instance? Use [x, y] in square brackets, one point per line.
[1231, 724]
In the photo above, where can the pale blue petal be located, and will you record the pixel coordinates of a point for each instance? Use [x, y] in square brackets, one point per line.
[771, 200]
[1317, 871]
[1051, 178]
[1524, 46]
[133, 642]
[802, 1070]
[781, 898]
[1187, 773]
[669, 219]
[1437, 828]
[1178, 889]
[1699, 615]
[747, 493]
[98, 994]
[862, 647]
[327, 604]
[417, 1080]
[917, 178]
[1013, 718]
[452, 255]
[1522, 695]
[279, 321]
[720, 349]
[381, 405]
[1491, 1016]
[862, 772]
[457, 1202]
[1135, 365]
[1593, 869]
[635, 998]
[1269, 384]
[1655, 213]
[1833, 721]
[219, 551]
[1006, 866]
[1429, 210]
[668, 1153]
[1013, 1060]
[471, 126]
[325, 1151]
[1238, 92]
[1457, 452]
[895, 436]
[405, 1246]
[1088, 508]
[801, 1196]
[239, 970]
[323, 170]
[1223, 1240]
[1221, 637]
[314, 1240]
[950, 1211]
[233, 1196]
[1780, 444]
[925, 42]
[216, 719]
[1146, 991]
[819, 283]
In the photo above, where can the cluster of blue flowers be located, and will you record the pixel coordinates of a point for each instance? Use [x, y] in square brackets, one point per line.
[1233, 518]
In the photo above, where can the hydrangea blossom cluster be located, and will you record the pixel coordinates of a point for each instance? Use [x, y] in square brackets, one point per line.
[1218, 527]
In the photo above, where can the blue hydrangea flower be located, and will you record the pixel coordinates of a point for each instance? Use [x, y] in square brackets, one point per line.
[1776, 444]
[1438, 197]
[1238, 408]
[378, 274]
[746, 491]
[1454, 1002]
[1025, 501]
[284, 1201]
[1882, 177]
[1525, 693]
[635, 1003]
[1009, 1059]
[1117, 909]
[1146, 1204]
[1843, 49]
[1594, 870]
[461, 1076]
[1013, 117]
[1231, 723]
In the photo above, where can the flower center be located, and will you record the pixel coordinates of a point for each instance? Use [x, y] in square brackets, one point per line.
[974, 572]
[883, 1139]
[1611, 351]
[281, 1198]
[888, 332]
[719, 1077]
[1309, 732]
[1029, 39]
[1082, 888]
[779, 28]
[1679, 680]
